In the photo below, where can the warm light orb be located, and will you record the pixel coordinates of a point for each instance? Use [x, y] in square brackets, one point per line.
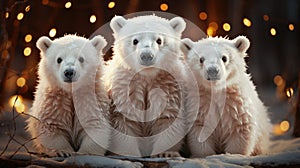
[111, 4]
[203, 15]
[93, 19]
[247, 22]
[68, 5]
[289, 92]
[273, 31]
[226, 26]
[277, 130]
[28, 38]
[278, 80]
[291, 27]
[27, 51]
[20, 16]
[266, 18]
[45, 2]
[20, 108]
[27, 9]
[52, 32]
[214, 25]
[284, 126]
[164, 7]
[6, 15]
[15, 101]
[21, 82]
[211, 31]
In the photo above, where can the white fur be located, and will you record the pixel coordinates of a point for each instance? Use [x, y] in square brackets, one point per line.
[231, 117]
[145, 93]
[70, 117]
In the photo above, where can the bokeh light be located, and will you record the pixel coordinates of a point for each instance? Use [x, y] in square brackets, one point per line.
[28, 38]
[20, 16]
[21, 81]
[291, 27]
[278, 80]
[266, 18]
[27, 9]
[273, 31]
[164, 7]
[27, 51]
[284, 126]
[68, 5]
[203, 15]
[226, 27]
[111, 4]
[93, 19]
[247, 22]
[52, 32]
[15, 100]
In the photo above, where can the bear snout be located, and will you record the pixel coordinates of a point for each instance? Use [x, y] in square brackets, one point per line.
[213, 73]
[147, 58]
[69, 75]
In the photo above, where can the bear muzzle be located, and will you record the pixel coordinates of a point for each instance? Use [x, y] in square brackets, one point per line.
[213, 74]
[69, 75]
[147, 58]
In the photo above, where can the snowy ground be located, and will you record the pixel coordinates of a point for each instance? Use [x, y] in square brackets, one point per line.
[284, 149]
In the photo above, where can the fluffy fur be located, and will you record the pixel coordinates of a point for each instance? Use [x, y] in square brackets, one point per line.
[70, 102]
[231, 117]
[147, 93]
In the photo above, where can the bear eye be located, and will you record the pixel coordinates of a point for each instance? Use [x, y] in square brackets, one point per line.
[224, 58]
[158, 41]
[59, 60]
[81, 59]
[201, 60]
[135, 42]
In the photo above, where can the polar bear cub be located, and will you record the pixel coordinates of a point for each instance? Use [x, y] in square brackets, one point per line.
[231, 117]
[145, 79]
[70, 102]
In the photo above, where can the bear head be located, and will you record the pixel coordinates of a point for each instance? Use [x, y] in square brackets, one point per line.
[70, 59]
[216, 61]
[146, 42]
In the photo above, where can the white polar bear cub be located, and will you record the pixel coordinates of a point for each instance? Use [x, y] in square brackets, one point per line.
[144, 79]
[231, 117]
[70, 100]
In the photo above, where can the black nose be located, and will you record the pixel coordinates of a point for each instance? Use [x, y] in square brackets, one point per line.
[147, 57]
[213, 73]
[69, 73]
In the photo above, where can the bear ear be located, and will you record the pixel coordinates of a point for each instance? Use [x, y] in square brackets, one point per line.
[178, 24]
[186, 46]
[242, 43]
[98, 42]
[117, 23]
[43, 43]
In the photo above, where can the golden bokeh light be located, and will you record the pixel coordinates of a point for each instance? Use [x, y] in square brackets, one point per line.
[111, 4]
[164, 7]
[266, 18]
[20, 108]
[15, 101]
[226, 27]
[68, 5]
[211, 31]
[203, 15]
[214, 25]
[21, 81]
[291, 27]
[284, 126]
[273, 31]
[27, 51]
[52, 32]
[277, 130]
[93, 19]
[289, 92]
[247, 22]
[28, 38]
[278, 80]
[20, 16]
[27, 9]
[6, 15]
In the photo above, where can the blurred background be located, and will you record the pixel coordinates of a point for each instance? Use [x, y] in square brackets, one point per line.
[271, 25]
